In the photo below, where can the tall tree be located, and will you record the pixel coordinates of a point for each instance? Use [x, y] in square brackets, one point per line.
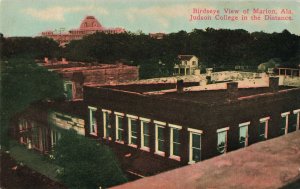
[23, 82]
[85, 163]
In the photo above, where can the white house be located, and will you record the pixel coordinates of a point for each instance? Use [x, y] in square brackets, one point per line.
[187, 65]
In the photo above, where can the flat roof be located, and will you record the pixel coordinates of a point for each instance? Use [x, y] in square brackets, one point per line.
[57, 65]
[270, 164]
[168, 90]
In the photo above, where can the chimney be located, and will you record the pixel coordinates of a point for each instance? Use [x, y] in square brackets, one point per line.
[179, 86]
[273, 84]
[46, 60]
[209, 71]
[232, 91]
[64, 61]
[208, 80]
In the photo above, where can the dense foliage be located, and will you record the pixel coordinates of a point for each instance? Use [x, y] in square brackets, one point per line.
[215, 48]
[85, 163]
[23, 82]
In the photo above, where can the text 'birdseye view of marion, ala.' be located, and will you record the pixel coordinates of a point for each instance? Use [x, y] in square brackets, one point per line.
[150, 94]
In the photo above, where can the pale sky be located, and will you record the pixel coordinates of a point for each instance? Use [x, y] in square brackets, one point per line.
[30, 17]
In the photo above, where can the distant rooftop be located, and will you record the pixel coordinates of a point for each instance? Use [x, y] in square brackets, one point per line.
[269, 164]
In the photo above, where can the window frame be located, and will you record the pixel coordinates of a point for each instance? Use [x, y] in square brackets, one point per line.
[119, 115]
[265, 120]
[129, 119]
[241, 125]
[91, 124]
[196, 132]
[225, 129]
[286, 116]
[172, 128]
[297, 112]
[161, 125]
[104, 111]
[142, 121]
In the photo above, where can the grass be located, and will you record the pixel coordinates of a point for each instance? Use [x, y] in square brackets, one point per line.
[33, 160]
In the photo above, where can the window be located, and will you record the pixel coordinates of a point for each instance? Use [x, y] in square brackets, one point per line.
[243, 138]
[263, 128]
[222, 140]
[194, 63]
[284, 123]
[159, 137]
[194, 145]
[119, 127]
[106, 124]
[55, 136]
[68, 87]
[132, 130]
[145, 133]
[293, 121]
[35, 136]
[175, 141]
[93, 120]
[297, 116]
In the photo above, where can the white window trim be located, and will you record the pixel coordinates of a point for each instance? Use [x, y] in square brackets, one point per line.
[92, 109]
[195, 130]
[118, 116]
[172, 127]
[162, 125]
[104, 123]
[130, 118]
[191, 132]
[144, 120]
[298, 118]
[222, 129]
[245, 124]
[266, 121]
[175, 126]
[105, 110]
[286, 115]
[226, 129]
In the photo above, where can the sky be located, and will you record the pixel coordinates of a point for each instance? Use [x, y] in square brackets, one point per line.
[31, 17]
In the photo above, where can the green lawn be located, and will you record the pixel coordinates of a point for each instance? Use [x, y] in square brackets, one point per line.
[33, 160]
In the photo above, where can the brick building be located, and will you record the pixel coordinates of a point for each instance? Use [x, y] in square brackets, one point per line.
[157, 127]
[171, 128]
[77, 74]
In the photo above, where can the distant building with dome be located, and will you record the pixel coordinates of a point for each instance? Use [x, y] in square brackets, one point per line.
[89, 25]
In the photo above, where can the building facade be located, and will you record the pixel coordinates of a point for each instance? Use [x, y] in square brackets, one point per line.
[183, 127]
[89, 25]
[157, 127]
[77, 74]
[188, 64]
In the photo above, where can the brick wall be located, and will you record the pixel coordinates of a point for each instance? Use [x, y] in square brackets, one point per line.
[202, 116]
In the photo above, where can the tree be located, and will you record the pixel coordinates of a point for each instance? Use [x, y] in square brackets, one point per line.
[85, 163]
[23, 82]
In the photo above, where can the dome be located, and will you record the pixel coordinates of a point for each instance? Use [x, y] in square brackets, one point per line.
[90, 22]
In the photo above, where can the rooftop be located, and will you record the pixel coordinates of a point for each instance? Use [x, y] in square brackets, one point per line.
[185, 57]
[193, 93]
[71, 66]
[269, 164]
